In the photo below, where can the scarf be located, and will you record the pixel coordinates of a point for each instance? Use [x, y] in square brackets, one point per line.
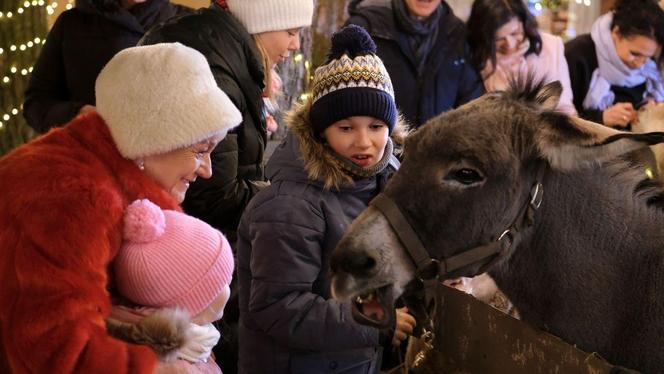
[611, 71]
[421, 33]
[507, 68]
[361, 172]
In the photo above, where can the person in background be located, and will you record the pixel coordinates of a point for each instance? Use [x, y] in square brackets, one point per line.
[63, 197]
[173, 262]
[242, 41]
[423, 46]
[79, 45]
[336, 157]
[612, 69]
[506, 46]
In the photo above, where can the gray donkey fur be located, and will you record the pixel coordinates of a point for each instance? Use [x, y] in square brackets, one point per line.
[590, 270]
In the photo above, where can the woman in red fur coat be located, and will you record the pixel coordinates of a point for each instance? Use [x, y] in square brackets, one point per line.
[63, 196]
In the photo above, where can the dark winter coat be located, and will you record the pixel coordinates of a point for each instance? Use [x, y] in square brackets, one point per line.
[581, 58]
[288, 321]
[448, 79]
[64, 197]
[237, 170]
[79, 45]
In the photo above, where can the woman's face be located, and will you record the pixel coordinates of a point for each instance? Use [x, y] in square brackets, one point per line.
[279, 44]
[361, 140]
[422, 8]
[633, 50]
[175, 170]
[509, 37]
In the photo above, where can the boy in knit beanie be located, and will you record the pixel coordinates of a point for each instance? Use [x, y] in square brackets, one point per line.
[336, 157]
[178, 270]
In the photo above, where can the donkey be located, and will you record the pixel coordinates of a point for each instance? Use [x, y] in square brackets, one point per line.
[574, 230]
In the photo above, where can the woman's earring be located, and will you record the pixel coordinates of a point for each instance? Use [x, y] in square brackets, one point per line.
[140, 164]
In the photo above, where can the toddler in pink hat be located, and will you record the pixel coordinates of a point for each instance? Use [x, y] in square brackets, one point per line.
[178, 270]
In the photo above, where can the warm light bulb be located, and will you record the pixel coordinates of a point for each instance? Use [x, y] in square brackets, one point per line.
[37, 40]
[13, 69]
[26, 4]
[9, 14]
[30, 44]
[5, 79]
[14, 111]
[20, 10]
[12, 48]
[6, 117]
[24, 71]
[22, 47]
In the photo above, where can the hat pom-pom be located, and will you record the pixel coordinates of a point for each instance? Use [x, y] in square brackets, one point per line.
[352, 40]
[143, 222]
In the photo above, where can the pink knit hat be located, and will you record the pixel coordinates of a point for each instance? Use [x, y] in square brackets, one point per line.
[170, 259]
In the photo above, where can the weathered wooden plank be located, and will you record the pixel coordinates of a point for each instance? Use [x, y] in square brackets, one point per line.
[477, 338]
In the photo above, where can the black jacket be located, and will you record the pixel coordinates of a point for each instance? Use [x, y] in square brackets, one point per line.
[448, 80]
[78, 46]
[237, 171]
[581, 58]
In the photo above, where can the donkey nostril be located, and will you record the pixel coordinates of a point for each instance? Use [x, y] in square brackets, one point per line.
[359, 265]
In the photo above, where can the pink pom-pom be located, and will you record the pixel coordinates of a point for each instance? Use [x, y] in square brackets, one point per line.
[143, 222]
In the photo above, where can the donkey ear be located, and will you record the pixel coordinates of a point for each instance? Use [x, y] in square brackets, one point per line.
[549, 95]
[570, 143]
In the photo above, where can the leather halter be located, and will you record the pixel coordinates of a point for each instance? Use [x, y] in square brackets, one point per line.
[488, 254]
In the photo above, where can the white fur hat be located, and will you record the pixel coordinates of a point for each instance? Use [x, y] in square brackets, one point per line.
[272, 15]
[161, 97]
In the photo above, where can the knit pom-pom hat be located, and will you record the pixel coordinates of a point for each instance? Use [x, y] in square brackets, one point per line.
[161, 97]
[272, 15]
[170, 259]
[353, 82]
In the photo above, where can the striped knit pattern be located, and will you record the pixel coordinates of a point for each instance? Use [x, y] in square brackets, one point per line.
[346, 72]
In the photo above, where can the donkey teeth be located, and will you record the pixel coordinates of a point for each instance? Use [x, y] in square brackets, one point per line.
[361, 299]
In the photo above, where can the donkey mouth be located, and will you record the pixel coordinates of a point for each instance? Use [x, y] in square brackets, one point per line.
[374, 307]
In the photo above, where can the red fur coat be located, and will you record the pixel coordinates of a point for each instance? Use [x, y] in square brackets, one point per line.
[62, 199]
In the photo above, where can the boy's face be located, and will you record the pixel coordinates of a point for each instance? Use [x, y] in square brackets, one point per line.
[360, 139]
[215, 310]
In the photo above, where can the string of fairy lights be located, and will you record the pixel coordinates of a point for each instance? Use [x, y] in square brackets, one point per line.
[11, 53]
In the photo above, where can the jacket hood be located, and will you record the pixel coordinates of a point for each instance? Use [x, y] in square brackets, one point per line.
[302, 157]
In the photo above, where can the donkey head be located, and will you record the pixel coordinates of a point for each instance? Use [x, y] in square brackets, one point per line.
[466, 176]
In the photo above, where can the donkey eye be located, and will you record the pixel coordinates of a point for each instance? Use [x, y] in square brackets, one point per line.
[464, 176]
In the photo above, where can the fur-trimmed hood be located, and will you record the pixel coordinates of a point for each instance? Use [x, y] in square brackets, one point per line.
[316, 162]
[165, 331]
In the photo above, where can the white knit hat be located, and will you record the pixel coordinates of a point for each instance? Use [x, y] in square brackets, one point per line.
[272, 15]
[161, 97]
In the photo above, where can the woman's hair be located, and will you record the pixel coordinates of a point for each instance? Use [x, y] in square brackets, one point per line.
[267, 66]
[639, 17]
[486, 17]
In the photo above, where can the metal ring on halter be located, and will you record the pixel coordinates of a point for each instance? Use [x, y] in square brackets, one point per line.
[537, 196]
[505, 233]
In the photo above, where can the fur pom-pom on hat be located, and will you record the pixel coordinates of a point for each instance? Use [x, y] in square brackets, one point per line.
[352, 40]
[143, 222]
[170, 259]
[161, 97]
[354, 82]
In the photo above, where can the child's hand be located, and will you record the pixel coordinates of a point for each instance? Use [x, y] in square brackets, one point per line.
[404, 326]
